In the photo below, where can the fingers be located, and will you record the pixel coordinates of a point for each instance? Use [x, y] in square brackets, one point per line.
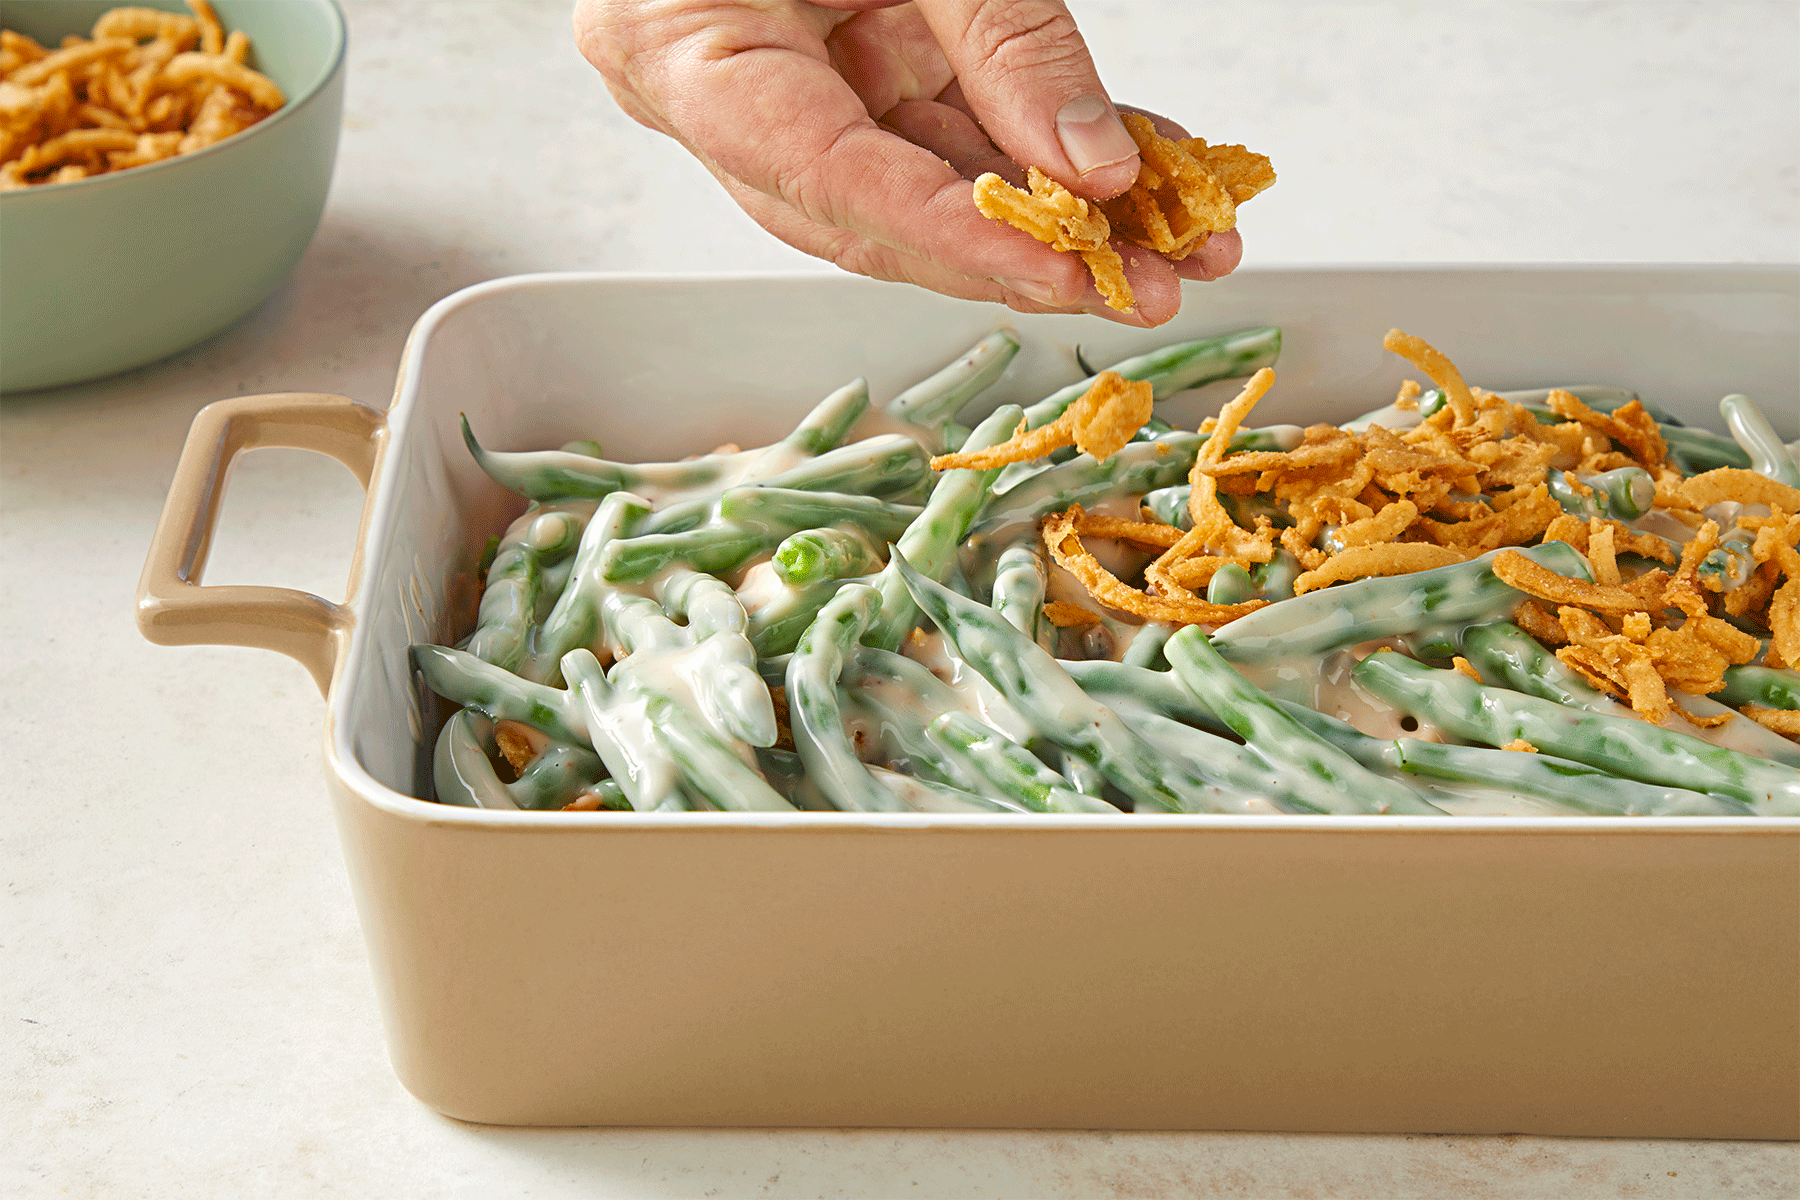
[760, 105]
[1027, 74]
[1217, 257]
[1154, 284]
[950, 134]
[750, 88]
[888, 57]
[861, 256]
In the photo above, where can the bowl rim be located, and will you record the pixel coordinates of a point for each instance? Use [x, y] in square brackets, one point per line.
[334, 66]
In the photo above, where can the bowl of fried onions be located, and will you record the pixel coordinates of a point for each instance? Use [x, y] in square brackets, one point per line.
[163, 166]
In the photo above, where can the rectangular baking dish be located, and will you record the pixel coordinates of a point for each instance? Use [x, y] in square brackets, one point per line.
[1631, 977]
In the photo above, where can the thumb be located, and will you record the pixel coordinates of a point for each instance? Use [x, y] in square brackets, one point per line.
[1027, 75]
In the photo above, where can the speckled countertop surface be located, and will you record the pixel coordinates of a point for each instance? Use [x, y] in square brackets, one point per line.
[185, 1001]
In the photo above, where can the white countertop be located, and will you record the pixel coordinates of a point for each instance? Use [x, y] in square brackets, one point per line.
[185, 1001]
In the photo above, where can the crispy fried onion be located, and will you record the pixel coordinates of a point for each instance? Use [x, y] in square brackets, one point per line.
[1653, 620]
[1062, 537]
[137, 92]
[1185, 191]
[1099, 423]
[1060, 219]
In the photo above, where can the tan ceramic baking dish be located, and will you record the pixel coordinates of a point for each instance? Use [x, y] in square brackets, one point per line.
[1636, 977]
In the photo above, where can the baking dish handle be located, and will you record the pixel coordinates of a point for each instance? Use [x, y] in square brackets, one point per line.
[173, 608]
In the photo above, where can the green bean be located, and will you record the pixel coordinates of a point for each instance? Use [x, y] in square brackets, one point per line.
[825, 426]
[551, 475]
[1388, 416]
[1230, 584]
[1332, 618]
[1736, 732]
[933, 537]
[1277, 438]
[1770, 687]
[499, 694]
[1082, 775]
[516, 581]
[1751, 429]
[936, 399]
[815, 714]
[775, 627]
[1139, 467]
[890, 466]
[787, 775]
[1008, 767]
[1274, 579]
[1152, 689]
[1338, 782]
[709, 766]
[1170, 505]
[643, 766]
[1694, 451]
[1502, 652]
[559, 774]
[746, 522]
[1730, 564]
[509, 604]
[1629, 492]
[1540, 777]
[828, 552]
[887, 703]
[1146, 646]
[929, 796]
[709, 605]
[636, 625]
[1176, 368]
[575, 618]
[461, 773]
[899, 698]
[1558, 781]
[1038, 688]
[1626, 494]
[1018, 593]
[720, 669]
[1232, 778]
[769, 507]
[1624, 746]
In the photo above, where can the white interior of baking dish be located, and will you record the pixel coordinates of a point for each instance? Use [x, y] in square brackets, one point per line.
[659, 367]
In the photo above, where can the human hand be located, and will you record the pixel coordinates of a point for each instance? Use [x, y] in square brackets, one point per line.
[850, 129]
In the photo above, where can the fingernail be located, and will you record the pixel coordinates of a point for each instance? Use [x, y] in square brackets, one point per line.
[1092, 134]
[1031, 289]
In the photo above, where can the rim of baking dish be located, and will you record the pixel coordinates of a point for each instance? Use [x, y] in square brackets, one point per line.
[341, 757]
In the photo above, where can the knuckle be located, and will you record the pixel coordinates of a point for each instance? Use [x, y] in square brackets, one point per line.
[805, 179]
[1016, 35]
[859, 256]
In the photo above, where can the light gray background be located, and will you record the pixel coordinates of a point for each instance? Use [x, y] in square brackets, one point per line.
[184, 1005]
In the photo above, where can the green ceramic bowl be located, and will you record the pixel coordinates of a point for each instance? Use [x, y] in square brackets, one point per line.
[108, 273]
